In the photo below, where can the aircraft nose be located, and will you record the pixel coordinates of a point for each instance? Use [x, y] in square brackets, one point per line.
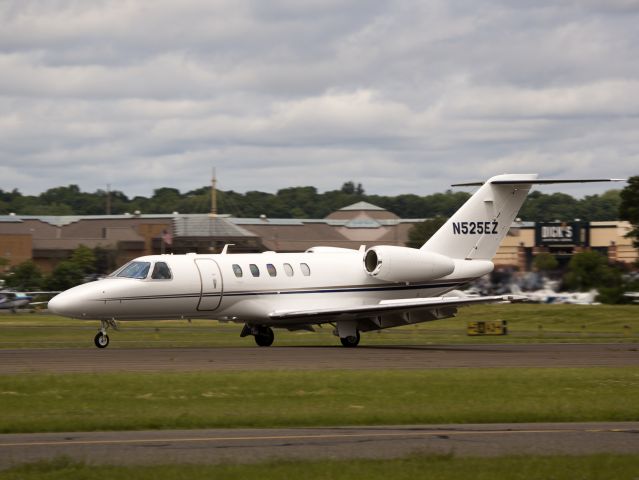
[61, 305]
[78, 302]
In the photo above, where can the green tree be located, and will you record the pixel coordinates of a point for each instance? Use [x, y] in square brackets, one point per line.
[84, 258]
[629, 208]
[421, 232]
[104, 260]
[545, 262]
[540, 207]
[164, 200]
[25, 276]
[600, 207]
[588, 270]
[301, 201]
[72, 272]
[65, 275]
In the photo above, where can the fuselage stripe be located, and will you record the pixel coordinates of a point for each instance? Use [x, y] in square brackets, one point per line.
[247, 293]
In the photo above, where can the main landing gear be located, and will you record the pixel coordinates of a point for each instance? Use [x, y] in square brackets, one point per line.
[351, 341]
[348, 333]
[101, 340]
[264, 335]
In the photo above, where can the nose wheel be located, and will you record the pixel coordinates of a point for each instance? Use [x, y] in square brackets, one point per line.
[101, 340]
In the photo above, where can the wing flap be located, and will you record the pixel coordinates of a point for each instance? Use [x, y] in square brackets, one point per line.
[387, 306]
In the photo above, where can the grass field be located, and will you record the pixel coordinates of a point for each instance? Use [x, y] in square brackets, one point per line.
[527, 323]
[590, 467]
[126, 401]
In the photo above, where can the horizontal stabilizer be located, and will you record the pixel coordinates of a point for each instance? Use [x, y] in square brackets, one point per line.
[540, 181]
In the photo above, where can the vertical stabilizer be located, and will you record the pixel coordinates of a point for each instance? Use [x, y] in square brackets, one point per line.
[478, 227]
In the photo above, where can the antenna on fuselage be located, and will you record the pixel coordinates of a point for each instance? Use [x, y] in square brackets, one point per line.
[226, 248]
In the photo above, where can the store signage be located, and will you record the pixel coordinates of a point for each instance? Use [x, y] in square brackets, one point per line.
[560, 233]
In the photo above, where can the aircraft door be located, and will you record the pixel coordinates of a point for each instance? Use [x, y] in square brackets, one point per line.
[211, 284]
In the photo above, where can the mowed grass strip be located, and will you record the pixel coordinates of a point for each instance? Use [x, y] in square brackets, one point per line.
[527, 323]
[82, 402]
[530, 467]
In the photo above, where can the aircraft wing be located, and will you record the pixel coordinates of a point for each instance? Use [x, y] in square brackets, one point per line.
[320, 315]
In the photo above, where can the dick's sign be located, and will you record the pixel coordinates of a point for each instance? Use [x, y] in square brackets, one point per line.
[561, 233]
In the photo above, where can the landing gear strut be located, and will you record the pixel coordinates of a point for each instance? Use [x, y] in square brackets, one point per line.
[101, 340]
[264, 336]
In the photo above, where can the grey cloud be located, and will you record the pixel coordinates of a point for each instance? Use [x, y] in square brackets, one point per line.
[403, 96]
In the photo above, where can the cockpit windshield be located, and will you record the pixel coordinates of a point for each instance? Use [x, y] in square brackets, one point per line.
[139, 270]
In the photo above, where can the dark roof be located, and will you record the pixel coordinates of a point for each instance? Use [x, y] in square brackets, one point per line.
[208, 226]
[363, 212]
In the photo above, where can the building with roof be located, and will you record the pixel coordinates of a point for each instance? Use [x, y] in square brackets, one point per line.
[49, 239]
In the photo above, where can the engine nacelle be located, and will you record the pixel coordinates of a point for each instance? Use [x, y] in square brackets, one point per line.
[403, 264]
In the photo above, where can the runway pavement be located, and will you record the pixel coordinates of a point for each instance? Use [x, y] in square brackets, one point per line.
[309, 358]
[252, 445]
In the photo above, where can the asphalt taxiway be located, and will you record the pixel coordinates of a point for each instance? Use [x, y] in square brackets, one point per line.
[253, 445]
[92, 360]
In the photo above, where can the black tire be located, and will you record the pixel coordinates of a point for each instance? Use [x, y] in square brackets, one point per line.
[350, 342]
[101, 340]
[265, 337]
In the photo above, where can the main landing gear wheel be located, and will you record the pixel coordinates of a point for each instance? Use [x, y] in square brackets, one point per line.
[265, 337]
[351, 341]
[101, 340]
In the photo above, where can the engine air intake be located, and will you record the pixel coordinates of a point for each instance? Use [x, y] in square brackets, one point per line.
[403, 264]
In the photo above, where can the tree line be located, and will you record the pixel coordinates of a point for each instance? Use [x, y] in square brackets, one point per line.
[84, 265]
[296, 202]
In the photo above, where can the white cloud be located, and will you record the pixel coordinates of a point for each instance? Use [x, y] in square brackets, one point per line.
[402, 96]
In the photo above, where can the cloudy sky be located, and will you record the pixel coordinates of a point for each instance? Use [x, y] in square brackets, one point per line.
[403, 96]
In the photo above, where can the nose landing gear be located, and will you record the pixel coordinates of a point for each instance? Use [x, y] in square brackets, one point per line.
[101, 340]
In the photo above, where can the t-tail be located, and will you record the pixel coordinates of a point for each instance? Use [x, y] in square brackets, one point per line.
[475, 231]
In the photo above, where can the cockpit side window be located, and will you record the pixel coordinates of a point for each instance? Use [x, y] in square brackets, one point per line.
[138, 270]
[161, 271]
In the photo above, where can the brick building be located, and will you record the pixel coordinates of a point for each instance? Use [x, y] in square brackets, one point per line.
[50, 239]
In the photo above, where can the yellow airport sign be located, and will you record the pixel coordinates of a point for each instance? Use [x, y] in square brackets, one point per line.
[496, 327]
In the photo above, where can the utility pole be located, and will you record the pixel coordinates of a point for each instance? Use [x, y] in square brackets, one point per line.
[213, 195]
[108, 199]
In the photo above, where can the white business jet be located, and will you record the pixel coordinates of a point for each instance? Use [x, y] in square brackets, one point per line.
[354, 290]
